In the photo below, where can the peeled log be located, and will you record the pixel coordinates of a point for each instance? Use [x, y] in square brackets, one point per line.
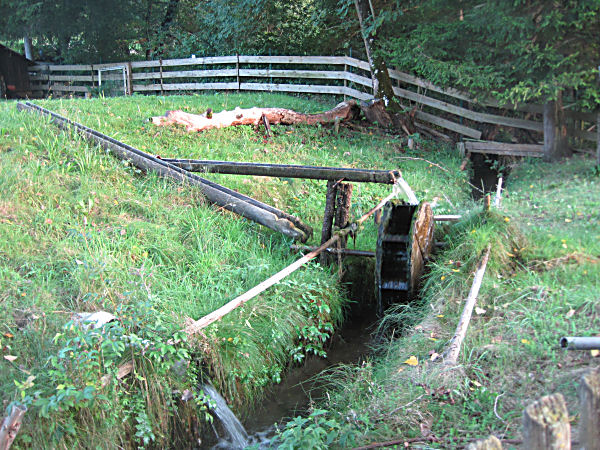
[254, 116]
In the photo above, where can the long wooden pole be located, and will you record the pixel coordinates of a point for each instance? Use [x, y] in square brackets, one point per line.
[240, 300]
[347, 174]
[453, 350]
[227, 198]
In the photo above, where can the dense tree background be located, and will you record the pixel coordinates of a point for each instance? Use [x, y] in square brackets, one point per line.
[519, 49]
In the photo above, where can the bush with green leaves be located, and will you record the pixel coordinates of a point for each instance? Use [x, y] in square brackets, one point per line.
[80, 390]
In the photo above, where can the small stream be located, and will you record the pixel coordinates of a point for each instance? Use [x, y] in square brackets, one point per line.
[301, 385]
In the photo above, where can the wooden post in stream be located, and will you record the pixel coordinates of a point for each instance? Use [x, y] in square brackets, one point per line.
[342, 209]
[328, 218]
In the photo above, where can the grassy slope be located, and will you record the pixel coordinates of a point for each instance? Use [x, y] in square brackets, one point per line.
[542, 282]
[81, 231]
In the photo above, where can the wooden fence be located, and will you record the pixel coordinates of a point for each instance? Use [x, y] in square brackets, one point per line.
[449, 109]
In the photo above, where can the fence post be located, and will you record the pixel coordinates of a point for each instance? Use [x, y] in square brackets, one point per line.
[546, 424]
[162, 91]
[556, 144]
[589, 406]
[237, 68]
[598, 139]
[129, 79]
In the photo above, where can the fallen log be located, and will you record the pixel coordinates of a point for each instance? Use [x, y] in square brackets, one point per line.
[255, 116]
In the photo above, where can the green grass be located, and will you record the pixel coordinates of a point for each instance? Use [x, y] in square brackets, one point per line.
[542, 283]
[82, 231]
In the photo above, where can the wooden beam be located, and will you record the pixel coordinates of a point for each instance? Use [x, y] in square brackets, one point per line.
[502, 148]
[589, 407]
[287, 171]
[229, 199]
[449, 125]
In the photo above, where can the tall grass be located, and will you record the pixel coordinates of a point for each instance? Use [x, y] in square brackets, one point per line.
[82, 231]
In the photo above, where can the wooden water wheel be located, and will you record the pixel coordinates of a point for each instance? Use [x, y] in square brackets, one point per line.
[404, 242]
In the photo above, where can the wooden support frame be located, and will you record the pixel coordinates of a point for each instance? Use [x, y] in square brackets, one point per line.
[288, 171]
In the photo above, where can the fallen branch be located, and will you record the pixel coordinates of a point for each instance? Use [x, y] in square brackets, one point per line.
[453, 350]
[255, 116]
[11, 425]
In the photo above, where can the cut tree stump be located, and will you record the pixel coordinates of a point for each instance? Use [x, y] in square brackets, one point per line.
[254, 116]
[491, 443]
[11, 425]
[589, 403]
[546, 424]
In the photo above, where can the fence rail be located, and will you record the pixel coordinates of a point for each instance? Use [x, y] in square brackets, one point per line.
[333, 75]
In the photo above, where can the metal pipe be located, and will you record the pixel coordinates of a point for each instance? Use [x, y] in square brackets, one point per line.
[580, 343]
[227, 198]
[287, 171]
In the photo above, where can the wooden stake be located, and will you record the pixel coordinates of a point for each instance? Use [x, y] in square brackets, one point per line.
[598, 140]
[498, 196]
[342, 209]
[265, 122]
[546, 424]
[328, 218]
[11, 425]
[453, 350]
[589, 406]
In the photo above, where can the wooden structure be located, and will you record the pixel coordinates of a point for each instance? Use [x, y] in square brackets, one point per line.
[14, 74]
[404, 242]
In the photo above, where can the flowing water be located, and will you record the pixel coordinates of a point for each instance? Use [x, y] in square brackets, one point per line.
[237, 437]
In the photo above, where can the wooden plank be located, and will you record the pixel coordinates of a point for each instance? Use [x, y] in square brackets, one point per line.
[313, 89]
[186, 61]
[492, 145]
[354, 93]
[184, 74]
[449, 125]
[282, 73]
[69, 78]
[501, 148]
[363, 65]
[184, 86]
[247, 59]
[468, 114]
[65, 88]
[358, 79]
[70, 67]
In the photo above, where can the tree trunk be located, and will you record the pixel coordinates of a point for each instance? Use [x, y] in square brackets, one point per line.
[362, 13]
[254, 116]
[392, 113]
[556, 144]
[28, 48]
